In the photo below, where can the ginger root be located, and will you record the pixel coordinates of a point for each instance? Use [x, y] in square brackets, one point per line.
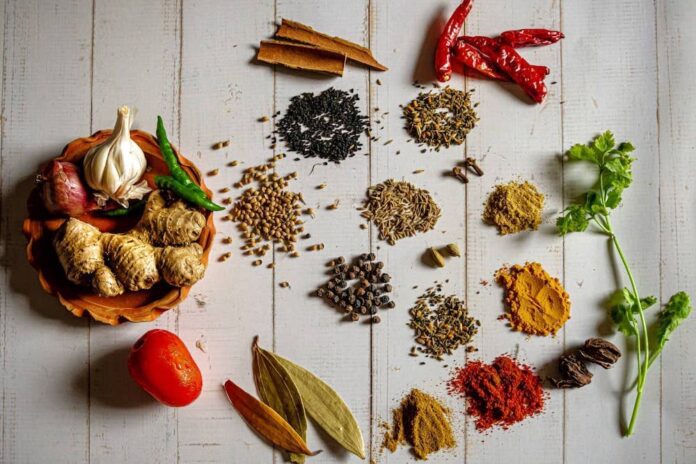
[158, 247]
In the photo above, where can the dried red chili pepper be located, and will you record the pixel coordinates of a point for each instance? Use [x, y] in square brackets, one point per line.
[471, 57]
[531, 37]
[525, 75]
[443, 52]
[487, 45]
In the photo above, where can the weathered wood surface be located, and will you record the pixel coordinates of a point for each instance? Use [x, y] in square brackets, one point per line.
[625, 66]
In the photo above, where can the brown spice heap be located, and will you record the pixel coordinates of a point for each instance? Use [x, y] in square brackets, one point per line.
[267, 212]
[441, 117]
[399, 210]
[422, 422]
[441, 323]
[538, 304]
[514, 207]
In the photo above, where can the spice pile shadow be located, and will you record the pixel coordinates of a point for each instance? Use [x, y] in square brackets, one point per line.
[327, 125]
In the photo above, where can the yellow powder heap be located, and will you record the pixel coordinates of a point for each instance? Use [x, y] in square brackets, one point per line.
[538, 303]
[514, 207]
[422, 422]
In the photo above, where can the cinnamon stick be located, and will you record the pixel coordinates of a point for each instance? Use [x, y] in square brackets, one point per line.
[299, 56]
[292, 30]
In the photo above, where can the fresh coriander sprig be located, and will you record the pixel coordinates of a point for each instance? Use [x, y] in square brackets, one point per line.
[627, 307]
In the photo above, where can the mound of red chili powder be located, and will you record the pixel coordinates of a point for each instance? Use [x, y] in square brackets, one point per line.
[501, 393]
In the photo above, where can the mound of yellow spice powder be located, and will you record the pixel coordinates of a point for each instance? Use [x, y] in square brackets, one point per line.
[514, 207]
[538, 304]
[422, 422]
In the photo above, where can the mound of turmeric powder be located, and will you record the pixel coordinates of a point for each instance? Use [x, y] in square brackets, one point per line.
[538, 304]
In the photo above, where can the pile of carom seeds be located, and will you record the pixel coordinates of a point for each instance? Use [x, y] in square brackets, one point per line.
[326, 126]
[441, 324]
[400, 209]
[368, 292]
[268, 212]
[440, 117]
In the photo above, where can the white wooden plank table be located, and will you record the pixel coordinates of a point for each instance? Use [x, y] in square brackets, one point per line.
[625, 65]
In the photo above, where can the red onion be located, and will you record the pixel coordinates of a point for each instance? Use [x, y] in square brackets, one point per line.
[62, 190]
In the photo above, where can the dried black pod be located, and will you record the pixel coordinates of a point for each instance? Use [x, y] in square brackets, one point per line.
[574, 373]
[600, 351]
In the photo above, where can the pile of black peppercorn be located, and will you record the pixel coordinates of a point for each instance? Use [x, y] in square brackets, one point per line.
[364, 296]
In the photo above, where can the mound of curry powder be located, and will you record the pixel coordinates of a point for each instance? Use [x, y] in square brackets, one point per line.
[538, 304]
[514, 207]
[422, 422]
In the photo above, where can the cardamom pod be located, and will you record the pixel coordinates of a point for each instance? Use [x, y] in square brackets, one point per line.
[265, 421]
[436, 257]
[453, 249]
[277, 390]
[326, 407]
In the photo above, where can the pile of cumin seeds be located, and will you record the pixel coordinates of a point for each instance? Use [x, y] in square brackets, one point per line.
[399, 209]
[440, 117]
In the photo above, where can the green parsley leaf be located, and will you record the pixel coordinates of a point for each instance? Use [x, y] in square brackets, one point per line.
[623, 307]
[604, 142]
[580, 152]
[674, 313]
[574, 219]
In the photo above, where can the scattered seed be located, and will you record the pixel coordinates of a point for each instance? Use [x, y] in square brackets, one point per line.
[222, 144]
[263, 119]
[284, 285]
[225, 256]
[214, 172]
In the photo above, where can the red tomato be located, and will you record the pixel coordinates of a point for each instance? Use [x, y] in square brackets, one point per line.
[162, 365]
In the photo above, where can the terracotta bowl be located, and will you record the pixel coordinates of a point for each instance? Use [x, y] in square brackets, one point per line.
[39, 227]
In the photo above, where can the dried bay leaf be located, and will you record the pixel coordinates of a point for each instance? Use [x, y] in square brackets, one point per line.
[277, 389]
[326, 407]
[265, 421]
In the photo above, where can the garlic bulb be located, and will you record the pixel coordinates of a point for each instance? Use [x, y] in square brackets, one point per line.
[115, 168]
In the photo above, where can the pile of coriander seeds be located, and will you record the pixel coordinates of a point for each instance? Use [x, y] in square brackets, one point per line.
[368, 293]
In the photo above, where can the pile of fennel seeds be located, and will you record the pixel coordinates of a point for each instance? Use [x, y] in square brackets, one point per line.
[268, 212]
[440, 118]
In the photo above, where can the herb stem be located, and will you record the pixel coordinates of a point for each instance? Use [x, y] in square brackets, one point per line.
[642, 349]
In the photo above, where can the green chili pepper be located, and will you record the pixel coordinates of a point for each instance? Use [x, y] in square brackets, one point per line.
[119, 212]
[188, 194]
[172, 162]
